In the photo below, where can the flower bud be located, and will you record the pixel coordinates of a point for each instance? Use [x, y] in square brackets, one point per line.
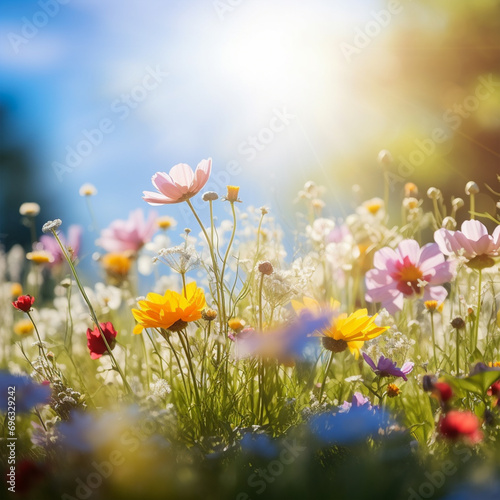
[232, 194]
[210, 196]
[471, 188]
[385, 158]
[449, 223]
[458, 323]
[434, 193]
[209, 314]
[265, 267]
[29, 209]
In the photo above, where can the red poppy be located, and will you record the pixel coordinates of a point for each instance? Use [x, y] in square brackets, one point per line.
[457, 424]
[442, 391]
[96, 344]
[24, 303]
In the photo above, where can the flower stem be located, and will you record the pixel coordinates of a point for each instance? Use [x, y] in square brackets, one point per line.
[91, 310]
[476, 324]
[324, 377]
[433, 340]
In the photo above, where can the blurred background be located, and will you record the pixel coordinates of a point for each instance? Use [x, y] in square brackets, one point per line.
[277, 92]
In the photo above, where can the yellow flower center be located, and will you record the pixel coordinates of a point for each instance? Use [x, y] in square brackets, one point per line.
[39, 257]
[411, 274]
[373, 208]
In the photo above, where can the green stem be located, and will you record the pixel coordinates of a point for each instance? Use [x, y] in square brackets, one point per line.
[92, 312]
[433, 340]
[41, 349]
[324, 377]
[261, 283]
[224, 262]
[476, 324]
[458, 352]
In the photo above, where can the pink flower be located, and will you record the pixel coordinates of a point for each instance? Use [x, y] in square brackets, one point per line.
[408, 271]
[180, 184]
[128, 235]
[72, 244]
[473, 242]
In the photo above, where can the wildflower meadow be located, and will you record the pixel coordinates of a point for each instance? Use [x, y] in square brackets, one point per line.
[249, 250]
[365, 364]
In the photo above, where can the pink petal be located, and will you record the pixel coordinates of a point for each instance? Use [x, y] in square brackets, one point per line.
[437, 293]
[202, 175]
[165, 185]
[183, 176]
[430, 257]
[157, 198]
[410, 249]
[383, 256]
[473, 229]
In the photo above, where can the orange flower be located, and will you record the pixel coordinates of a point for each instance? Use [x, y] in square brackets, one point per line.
[171, 311]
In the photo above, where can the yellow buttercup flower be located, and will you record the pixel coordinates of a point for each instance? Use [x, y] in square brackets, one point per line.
[171, 311]
[351, 332]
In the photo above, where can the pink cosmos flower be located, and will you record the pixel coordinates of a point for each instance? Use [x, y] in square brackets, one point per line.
[386, 367]
[72, 243]
[128, 235]
[408, 271]
[180, 184]
[473, 242]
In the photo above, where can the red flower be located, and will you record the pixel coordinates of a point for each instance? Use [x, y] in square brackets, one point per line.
[24, 303]
[457, 424]
[494, 390]
[443, 391]
[96, 344]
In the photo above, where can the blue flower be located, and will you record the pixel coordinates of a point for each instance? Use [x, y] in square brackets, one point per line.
[350, 428]
[27, 393]
[258, 444]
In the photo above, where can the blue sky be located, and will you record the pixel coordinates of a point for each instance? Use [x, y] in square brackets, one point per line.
[227, 73]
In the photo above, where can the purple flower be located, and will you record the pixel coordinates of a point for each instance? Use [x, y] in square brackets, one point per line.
[408, 271]
[26, 392]
[387, 368]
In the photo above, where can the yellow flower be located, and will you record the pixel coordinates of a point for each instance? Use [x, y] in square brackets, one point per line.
[23, 327]
[393, 390]
[16, 289]
[40, 257]
[165, 222]
[117, 265]
[346, 332]
[350, 332]
[171, 311]
[232, 194]
[431, 305]
[236, 324]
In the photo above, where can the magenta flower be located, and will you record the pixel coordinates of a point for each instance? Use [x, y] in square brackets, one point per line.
[72, 243]
[387, 368]
[473, 242]
[408, 271]
[128, 235]
[180, 184]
